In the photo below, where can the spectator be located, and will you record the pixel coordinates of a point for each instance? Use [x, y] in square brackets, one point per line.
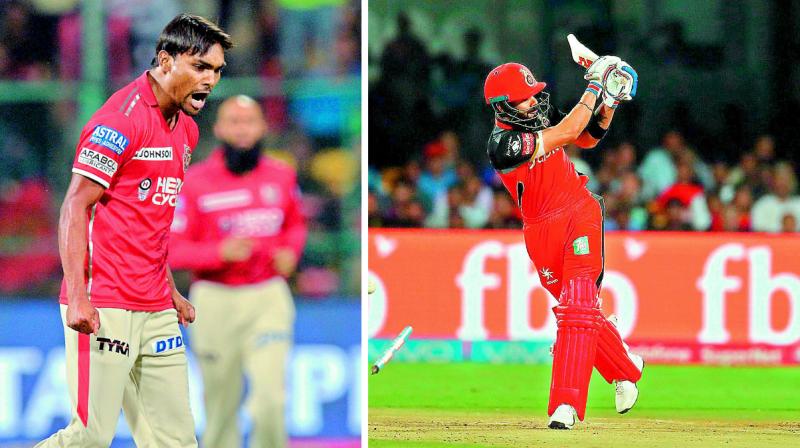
[764, 149]
[477, 204]
[505, 213]
[28, 42]
[770, 210]
[318, 19]
[405, 209]
[690, 195]
[437, 177]
[658, 169]
[788, 223]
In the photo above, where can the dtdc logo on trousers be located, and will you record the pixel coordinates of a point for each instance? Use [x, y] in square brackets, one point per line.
[165, 345]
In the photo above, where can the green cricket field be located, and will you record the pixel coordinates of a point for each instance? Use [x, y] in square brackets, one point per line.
[505, 405]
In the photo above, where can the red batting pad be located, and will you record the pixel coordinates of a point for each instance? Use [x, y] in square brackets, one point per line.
[612, 359]
[573, 356]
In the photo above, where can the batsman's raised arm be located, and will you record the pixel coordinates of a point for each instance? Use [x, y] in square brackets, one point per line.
[597, 127]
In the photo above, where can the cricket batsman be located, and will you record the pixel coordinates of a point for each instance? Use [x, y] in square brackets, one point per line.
[119, 305]
[563, 221]
[241, 236]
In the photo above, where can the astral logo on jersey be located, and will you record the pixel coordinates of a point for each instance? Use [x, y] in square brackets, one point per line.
[110, 138]
[97, 161]
[115, 345]
[154, 154]
[165, 345]
[167, 189]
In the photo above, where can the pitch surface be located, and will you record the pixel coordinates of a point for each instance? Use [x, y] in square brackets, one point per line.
[490, 405]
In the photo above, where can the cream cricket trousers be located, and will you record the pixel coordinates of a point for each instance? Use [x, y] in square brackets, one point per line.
[137, 362]
[243, 331]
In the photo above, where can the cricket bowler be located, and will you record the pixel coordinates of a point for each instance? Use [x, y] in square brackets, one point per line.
[563, 221]
[119, 305]
[241, 236]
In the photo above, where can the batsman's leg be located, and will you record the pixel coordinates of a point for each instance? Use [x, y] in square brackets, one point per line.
[579, 320]
[613, 360]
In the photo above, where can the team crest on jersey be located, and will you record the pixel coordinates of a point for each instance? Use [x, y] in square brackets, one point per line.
[110, 138]
[144, 188]
[187, 157]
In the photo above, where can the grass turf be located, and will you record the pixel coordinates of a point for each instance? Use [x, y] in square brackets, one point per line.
[469, 405]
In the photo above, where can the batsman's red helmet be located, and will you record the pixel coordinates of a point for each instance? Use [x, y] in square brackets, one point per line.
[511, 82]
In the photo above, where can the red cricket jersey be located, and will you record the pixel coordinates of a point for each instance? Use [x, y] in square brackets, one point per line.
[128, 148]
[263, 204]
[542, 186]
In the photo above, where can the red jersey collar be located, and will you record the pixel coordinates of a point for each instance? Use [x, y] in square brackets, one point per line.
[145, 90]
[502, 125]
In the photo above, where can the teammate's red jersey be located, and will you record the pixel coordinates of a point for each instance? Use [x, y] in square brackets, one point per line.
[263, 204]
[128, 147]
[541, 183]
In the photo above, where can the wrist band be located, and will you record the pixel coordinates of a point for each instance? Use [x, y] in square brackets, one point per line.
[594, 129]
[595, 88]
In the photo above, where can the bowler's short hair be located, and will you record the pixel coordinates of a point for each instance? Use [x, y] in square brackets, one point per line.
[188, 33]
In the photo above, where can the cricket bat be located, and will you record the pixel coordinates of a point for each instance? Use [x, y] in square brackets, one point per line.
[580, 54]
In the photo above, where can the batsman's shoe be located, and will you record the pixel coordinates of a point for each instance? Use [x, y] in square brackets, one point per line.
[626, 391]
[563, 417]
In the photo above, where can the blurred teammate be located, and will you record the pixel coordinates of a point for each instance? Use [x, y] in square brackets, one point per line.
[563, 221]
[241, 234]
[118, 302]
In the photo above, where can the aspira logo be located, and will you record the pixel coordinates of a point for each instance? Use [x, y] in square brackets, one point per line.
[167, 189]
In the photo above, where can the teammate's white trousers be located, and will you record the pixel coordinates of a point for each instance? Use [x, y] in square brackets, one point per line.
[245, 330]
[137, 362]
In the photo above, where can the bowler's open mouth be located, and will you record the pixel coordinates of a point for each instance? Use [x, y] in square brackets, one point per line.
[199, 99]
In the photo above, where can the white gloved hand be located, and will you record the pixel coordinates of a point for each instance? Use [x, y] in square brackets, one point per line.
[621, 82]
[596, 71]
[609, 100]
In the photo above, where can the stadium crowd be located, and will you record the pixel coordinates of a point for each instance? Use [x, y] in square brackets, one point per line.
[278, 41]
[668, 187]
[428, 166]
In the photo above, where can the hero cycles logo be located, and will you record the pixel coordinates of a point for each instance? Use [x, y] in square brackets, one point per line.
[166, 193]
[714, 285]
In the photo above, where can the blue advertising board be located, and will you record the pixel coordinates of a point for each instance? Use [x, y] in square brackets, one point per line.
[324, 390]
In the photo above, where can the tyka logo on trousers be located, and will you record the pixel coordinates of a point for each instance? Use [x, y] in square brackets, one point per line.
[114, 346]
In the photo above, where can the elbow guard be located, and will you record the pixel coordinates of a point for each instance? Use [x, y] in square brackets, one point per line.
[594, 129]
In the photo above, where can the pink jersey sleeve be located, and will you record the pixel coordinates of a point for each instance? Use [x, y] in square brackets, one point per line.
[294, 224]
[105, 143]
[185, 249]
